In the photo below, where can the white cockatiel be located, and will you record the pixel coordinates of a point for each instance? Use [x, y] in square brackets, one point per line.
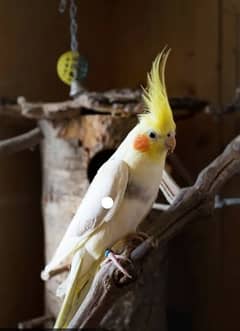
[130, 181]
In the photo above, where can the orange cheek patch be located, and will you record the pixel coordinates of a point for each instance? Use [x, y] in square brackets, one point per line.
[141, 143]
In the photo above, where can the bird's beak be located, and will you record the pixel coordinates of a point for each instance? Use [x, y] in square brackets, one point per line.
[170, 143]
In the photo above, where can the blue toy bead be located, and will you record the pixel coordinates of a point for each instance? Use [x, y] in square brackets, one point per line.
[107, 252]
[81, 68]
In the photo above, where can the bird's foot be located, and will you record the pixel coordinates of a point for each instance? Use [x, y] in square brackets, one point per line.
[127, 244]
[114, 258]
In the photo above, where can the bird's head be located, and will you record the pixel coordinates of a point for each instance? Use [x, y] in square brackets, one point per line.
[156, 126]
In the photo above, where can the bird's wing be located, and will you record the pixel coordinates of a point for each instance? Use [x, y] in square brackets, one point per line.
[110, 181]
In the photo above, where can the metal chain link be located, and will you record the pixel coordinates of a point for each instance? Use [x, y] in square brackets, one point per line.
[73, 22]
[73, 25]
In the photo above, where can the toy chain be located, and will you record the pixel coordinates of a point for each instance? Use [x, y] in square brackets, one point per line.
[75, 85]
[73, 21]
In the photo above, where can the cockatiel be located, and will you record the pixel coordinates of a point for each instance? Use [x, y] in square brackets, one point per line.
[130, 180]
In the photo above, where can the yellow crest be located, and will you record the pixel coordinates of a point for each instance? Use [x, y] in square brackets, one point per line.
[159, 114]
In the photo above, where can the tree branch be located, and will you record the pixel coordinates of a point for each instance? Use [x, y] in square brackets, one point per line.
[125, 102]
[197, 200]
[21, 142]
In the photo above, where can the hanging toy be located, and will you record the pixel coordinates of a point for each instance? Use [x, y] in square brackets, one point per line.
[70, 64]
[72, 67]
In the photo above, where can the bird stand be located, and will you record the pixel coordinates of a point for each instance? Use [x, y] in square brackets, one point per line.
[78, 136]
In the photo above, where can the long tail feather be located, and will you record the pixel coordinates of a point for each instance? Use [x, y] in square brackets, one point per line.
[83, 267]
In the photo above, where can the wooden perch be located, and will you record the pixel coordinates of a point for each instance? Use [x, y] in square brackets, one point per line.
[197, 200]
[35, 322]
[125, 102]
[21, 142]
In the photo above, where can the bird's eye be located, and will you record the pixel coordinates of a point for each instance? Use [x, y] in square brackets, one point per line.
[152, 135]
[169, 135]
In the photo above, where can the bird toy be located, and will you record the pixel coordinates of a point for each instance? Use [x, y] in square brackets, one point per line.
[72, 67]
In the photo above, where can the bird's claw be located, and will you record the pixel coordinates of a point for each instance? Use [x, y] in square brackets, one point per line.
[111, 256]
